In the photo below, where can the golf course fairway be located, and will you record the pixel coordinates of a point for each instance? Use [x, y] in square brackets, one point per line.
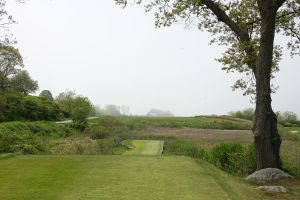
[144, 147]
[116, 178]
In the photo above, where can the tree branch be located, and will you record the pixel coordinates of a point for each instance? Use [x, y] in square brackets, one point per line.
[223, 17]
[279, 3]
[241, 33]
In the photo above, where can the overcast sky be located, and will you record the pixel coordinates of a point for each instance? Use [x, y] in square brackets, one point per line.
[116, 56]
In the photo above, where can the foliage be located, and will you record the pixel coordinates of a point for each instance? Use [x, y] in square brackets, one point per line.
[82, 108]
[75, 106]
[37, 128]
[109, 121]
[10, 142]
[234, 158]
[108, 127]
[244, 114]
[65, 102]
[11, 63]
[16, 106]
[36, 108]
[99, 133]
[78, 108]
[23, 83]
[288, 119]
[29, 137]
[46, 94]
[25, 143]
[231, 157]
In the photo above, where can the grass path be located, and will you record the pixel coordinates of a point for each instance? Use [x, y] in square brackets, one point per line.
[116, 178]
[144, 147]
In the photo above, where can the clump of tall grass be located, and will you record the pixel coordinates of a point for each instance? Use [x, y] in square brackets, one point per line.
[231, 157]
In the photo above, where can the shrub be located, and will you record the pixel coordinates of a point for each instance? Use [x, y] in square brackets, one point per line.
[109, 121]
[99, 132]
[108, 127]
[38, 128]
[10, 142]
[80, 124]
[233, 158]
[244, 114]
[106, 146]
[16, 106]
[29, 149]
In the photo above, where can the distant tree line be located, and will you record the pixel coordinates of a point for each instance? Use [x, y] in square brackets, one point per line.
[115, 110]
[159, 113]
[286, 118]
[112, 110]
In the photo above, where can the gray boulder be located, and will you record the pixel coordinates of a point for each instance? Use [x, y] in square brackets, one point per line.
[267, 175]
[273, 189]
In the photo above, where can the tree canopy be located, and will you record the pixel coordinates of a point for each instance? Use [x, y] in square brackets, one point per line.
[23, 83]
[11, 63]
[76, 107]
[46, 94]
[235, 24]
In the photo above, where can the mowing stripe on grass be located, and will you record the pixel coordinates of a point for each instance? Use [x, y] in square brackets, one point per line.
[144, 147]
[83, 177]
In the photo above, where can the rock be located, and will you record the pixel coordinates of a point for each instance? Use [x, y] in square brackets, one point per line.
[267, 175]
[273, 189]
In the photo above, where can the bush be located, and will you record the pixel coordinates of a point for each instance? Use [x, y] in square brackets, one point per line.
[37, 128]
[16, 106]
[80, 125]
[233, 158]
[109, 121]
[99, 133]
[29, 149]
[28, 137]
[10, 142]
[244, 114]
[107, 146]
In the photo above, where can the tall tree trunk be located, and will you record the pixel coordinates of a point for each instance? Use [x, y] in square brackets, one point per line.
[266, 138]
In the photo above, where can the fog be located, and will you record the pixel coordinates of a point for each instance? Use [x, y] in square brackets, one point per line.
[116, 56]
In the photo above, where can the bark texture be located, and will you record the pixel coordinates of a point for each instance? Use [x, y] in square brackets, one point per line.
[266, 137]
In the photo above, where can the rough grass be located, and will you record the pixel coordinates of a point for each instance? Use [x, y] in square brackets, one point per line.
[205, 122]
[117, 177]
[208, 138]
[144, 147]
